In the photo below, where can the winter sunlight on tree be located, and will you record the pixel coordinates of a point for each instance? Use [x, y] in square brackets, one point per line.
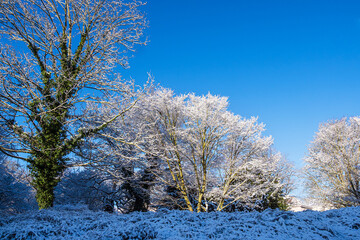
[72, 49]
[333, 163]
[195, 153]
[213, 133]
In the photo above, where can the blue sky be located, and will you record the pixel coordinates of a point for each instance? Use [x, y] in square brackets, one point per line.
[294, 64]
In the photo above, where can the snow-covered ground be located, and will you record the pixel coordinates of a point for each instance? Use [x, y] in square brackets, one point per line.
[80, 223]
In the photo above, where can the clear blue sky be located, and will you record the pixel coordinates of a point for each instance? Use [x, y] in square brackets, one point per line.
[294, 64]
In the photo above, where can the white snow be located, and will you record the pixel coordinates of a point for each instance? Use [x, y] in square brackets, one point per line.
[80, 223]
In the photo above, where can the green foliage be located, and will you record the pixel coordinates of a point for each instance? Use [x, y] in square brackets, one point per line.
[277, 201]
[47, 159]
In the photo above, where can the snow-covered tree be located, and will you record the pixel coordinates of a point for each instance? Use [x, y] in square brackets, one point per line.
[198, 150]
[333, 163]
[113, 159]
[77, 187]
[207, 127]
[87, 186]
[16, 194]
[55, 57]
[249, 170]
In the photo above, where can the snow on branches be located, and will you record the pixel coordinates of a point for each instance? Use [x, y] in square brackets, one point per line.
[206, 157]
[333, 163]
[55, 57]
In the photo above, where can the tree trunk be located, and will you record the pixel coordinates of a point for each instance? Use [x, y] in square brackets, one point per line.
[46, 176]
[202, 189]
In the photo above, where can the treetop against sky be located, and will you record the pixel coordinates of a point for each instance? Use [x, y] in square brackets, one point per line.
[293, 64]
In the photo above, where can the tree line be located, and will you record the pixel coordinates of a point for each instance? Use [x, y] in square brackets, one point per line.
[88, 136]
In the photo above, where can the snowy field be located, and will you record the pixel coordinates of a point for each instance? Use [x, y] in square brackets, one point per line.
[80, 223]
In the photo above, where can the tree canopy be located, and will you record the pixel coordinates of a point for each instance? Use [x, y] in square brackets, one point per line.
[56, 56]
[333, 163]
